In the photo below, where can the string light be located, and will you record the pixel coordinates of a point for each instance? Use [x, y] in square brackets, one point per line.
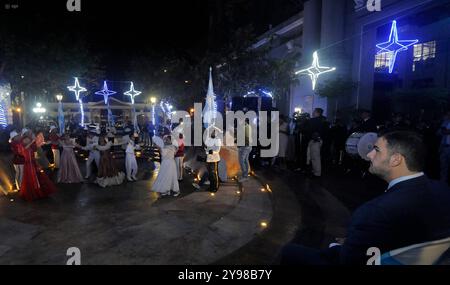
[3, 121]
[393, 46]
[315, 70]
[210, 110]
[77, 89]
[132, 93]
[105, 92]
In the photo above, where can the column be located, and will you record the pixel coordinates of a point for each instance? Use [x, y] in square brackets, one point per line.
[304, 94]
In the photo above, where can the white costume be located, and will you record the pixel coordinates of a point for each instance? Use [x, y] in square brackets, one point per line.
[167, 176]
[313, 157]
[130, 161]
[94, 155]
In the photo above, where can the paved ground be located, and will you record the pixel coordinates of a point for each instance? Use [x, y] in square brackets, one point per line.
[128, 224]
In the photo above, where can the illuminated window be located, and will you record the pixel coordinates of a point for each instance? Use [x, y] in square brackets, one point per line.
[382, 60]
[423, 52]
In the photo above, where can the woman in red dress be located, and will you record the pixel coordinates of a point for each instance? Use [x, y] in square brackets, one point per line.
[35, 184]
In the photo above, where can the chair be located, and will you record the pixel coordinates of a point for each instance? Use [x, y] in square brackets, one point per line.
[427, 253]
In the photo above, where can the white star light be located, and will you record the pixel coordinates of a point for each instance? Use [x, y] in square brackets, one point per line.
[315, 70]
[393, 46]
[105, 92]
[77, 89]
[132, 93]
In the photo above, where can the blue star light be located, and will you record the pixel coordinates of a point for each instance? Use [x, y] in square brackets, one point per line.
[393, 46]
[77, 89]
[132, 93]
[105, 92]
[315, 70]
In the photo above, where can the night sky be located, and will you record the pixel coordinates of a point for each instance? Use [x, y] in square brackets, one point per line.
[120, 29]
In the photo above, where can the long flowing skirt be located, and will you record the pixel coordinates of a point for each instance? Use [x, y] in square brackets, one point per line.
[167, 178]
[108, 174]
[41, 158]
[69, 172]
[35, 184]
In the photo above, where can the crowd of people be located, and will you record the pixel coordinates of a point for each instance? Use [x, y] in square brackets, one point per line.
[311, 144]
[35, 176]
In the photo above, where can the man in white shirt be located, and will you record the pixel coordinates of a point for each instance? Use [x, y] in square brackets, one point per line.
[213, 145]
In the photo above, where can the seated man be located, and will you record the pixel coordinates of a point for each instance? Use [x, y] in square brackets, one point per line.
[413, 209]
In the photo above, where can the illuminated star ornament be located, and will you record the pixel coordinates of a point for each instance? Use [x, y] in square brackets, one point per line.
[105, 92]
[132, 93]
[315, 70]
[77, 89]
[393, 46]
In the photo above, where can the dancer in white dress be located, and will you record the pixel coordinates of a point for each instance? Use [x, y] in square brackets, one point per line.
[167, 179]
[131, 165]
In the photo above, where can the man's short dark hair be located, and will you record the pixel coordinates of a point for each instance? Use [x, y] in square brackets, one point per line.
[319, 110]
[410, 145]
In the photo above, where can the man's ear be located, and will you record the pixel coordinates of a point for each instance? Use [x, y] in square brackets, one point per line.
[396, 160]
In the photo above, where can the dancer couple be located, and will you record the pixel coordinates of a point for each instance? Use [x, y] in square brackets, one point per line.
[34, 183]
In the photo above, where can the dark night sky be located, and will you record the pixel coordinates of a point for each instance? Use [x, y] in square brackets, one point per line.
[119, 29]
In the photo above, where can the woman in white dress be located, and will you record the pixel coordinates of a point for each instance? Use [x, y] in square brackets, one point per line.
[167, 179]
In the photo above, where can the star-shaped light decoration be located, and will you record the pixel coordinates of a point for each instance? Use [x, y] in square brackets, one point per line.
[393, 46]
[105, 92]
[315, 70]
[132, 93]
[77, 89]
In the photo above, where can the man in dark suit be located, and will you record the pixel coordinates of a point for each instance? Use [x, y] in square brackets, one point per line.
[413, 209]
[368, 125]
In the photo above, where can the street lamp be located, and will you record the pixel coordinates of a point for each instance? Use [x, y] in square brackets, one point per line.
[39, 108]
[153, 101]
[59, 97]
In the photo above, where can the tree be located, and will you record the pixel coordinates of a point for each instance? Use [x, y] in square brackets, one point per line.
[44, 65]
[336, 89]
[413, 100]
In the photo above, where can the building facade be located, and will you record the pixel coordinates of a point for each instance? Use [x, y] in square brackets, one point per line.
[345, 34]
[97, 112]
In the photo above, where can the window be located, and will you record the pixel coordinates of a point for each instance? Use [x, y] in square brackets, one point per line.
[382, 60]
[424, 52]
